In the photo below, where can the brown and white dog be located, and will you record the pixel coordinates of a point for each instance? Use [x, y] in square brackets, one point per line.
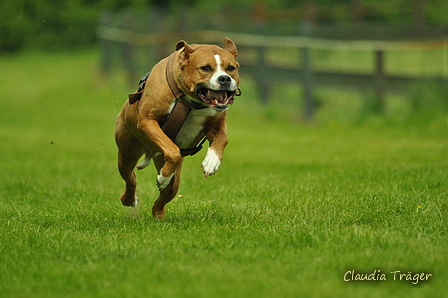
[207, 75]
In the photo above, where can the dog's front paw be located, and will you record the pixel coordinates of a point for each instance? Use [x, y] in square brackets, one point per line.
[162, 182]
[211, 163]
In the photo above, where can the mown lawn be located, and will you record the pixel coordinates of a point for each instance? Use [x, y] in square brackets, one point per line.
[293, 208]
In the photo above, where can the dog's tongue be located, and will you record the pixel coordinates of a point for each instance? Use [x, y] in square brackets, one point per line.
[217, 95]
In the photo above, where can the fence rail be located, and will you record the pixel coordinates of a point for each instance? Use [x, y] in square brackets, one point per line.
[256, 62]
[251, 40]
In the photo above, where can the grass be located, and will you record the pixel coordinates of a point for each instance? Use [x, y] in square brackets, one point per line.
[292, 209]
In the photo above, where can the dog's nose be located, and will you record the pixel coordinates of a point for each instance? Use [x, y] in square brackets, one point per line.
[224, 80]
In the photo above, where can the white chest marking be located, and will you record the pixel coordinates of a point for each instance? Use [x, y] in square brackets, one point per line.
[192, 127]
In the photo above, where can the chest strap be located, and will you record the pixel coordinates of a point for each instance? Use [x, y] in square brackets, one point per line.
[174, 123]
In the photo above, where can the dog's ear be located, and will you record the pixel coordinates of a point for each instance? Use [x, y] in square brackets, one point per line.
[230, 46]
[185, 54]
[180, 44]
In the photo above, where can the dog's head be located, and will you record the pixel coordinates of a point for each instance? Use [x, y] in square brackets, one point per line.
[210, 73]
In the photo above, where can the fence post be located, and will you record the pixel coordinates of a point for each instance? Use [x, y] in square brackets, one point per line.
[262, 80]
[106, 45]
[307, 72]
[307, 84]
[419, 15]
[128, 51]
[158, 15]
[261, 77]
[380, 81]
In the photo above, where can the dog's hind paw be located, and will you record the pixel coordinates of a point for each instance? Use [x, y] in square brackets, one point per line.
[158, 214]
[146, 162]
[128, 201]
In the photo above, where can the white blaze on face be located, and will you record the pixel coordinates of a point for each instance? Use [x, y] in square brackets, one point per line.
[219, 72]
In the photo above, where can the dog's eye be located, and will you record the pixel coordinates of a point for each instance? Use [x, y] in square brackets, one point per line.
[206, 68]
[231, 68]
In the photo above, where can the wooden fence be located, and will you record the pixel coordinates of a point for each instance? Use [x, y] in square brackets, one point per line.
[260, 57]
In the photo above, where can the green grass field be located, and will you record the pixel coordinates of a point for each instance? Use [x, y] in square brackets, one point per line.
[293, 208]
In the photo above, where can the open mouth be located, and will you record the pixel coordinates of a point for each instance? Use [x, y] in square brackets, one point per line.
[218, 99]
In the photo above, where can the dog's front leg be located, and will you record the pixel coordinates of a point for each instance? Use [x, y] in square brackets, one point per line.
[154, 134]
[217, 135]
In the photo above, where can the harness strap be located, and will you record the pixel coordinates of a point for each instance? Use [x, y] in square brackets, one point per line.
[176, 119]
[180, 111]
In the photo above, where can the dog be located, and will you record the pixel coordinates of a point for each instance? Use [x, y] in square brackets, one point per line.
[181, 103]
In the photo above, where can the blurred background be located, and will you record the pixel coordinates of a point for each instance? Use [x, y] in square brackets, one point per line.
[315, 60]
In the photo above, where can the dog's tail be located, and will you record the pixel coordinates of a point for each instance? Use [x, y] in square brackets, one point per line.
[146, 162]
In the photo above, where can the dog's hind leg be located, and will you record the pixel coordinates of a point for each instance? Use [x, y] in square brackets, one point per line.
[129, 152]
[169, 192]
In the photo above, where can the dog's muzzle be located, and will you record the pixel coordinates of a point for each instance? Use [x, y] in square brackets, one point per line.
[217, 99]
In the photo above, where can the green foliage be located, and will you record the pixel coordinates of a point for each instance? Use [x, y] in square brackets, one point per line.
[292, 208]
[63, 24]
[52, 24]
